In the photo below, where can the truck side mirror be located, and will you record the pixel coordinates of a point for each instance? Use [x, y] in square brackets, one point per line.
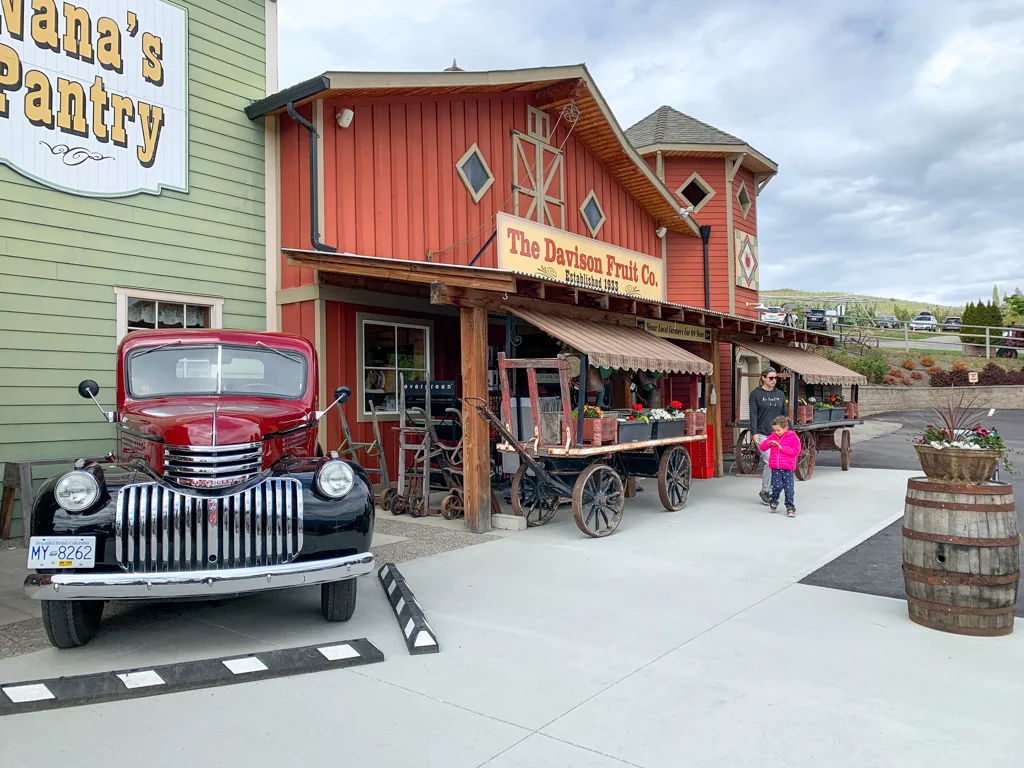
[341, 395]
[89, 389]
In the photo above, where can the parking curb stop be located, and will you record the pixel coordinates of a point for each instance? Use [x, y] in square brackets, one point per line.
[419, 636]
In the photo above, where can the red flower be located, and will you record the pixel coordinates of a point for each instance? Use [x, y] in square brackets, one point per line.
[638, 407]
[631, 418]
[676, 404]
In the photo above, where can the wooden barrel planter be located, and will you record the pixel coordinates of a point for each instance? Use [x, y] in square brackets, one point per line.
[961, 556]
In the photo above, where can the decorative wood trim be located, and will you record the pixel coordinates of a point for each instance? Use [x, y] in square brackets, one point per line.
[296, 295]
[474, 149]
[583, 212]
[729, 237]
[702, 184]
[752, 155]
[538, 124]
[320, 344]
[763, 182]
[733, 169]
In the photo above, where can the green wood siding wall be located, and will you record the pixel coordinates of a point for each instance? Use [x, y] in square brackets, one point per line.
[61, 255]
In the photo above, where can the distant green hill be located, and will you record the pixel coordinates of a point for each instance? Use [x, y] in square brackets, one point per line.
[857, 304]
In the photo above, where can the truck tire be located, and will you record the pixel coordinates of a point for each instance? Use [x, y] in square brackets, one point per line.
[71, 623]
[338, 600]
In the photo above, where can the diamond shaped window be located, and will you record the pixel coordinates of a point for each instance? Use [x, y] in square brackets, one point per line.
[695, 192]
[593, 216]
[743, 198]
[474, 172]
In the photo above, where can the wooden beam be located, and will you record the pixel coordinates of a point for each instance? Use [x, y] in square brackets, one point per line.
[476, 435]
[715, 411]
[559, 93]
[734, 165]
[397, 270]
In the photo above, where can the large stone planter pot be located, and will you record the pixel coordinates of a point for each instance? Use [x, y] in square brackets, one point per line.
[957, 465]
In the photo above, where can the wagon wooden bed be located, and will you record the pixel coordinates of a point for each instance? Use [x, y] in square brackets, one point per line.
[593, 478]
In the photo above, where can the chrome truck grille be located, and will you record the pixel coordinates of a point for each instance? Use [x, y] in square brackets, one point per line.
[157, 529]
[215, 466]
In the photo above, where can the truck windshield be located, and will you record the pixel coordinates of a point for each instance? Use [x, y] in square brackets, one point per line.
[216, 370]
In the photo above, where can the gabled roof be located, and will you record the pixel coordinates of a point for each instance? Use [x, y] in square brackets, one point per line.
[554, 87]
[669, 131]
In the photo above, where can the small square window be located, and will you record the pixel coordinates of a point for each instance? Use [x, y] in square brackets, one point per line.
[592, 213]
[695, 192]
[474, 172]
[743, 199]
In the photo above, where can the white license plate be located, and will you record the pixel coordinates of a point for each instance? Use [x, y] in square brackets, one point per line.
[62, 552]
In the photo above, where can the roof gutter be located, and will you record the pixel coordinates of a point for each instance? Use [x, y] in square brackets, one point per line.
[314, 191]
[275, 102]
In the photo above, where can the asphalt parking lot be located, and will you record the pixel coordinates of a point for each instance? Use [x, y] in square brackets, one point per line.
[873, 567]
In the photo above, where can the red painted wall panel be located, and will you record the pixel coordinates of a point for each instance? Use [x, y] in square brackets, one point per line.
[392, 189]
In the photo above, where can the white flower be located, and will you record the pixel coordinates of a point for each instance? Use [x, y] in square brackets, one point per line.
[660, 414]
[959, 444]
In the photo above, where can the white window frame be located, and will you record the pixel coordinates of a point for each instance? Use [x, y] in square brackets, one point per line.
[363, 415]
[538, 124]
[474, 149]
[702, 184]
[583, 212]
[750, 201]
[122, 294]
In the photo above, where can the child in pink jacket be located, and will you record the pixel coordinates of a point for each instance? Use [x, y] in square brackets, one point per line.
[784, 445]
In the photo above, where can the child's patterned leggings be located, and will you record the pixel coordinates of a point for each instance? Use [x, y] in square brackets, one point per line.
[782, 480]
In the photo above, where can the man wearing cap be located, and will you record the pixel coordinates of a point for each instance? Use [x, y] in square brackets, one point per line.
[766, 402]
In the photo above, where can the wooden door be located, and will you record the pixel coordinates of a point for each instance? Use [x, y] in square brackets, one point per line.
[538, 181]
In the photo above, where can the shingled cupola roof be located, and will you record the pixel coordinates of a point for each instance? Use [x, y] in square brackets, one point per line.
[669, 131]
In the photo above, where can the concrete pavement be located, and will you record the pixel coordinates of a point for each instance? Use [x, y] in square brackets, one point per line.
[683, 639]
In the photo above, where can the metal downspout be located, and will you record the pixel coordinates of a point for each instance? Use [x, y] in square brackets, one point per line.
[314, 191]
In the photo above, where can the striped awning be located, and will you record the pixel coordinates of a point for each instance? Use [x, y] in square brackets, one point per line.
[813, 369]
[616, 346]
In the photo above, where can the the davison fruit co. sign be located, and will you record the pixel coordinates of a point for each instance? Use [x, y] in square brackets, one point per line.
[535, 249]
[94, 94]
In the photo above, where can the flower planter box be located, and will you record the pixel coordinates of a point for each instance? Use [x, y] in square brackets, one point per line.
[662, 430]
[853, 410]
[837, 414]
[600, 431]
[804, 414]
[821, 415]
[633, 431]
[964, 466]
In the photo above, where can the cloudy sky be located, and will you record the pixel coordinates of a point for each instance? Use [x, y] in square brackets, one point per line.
[898, 126]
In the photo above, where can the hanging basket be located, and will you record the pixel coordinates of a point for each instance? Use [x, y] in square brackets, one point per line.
[964, 466]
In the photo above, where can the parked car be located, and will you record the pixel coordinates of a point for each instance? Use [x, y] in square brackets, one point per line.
[818, 319]
[217, 486]
[951, 324]
[924, 323]
[774, 315]
[887, 321]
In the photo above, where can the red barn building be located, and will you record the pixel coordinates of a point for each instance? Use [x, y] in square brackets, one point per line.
[417, 167]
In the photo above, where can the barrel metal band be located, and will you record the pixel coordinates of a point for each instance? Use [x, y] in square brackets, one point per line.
[994, 489]
[938, 538]
[931, 504]
[954, 629]
[951, 579]
[954, 610]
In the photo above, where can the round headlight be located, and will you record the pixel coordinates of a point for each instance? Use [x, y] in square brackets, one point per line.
[77, 491]
[335, 479]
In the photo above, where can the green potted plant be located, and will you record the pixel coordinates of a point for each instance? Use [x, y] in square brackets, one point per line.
[634, 428]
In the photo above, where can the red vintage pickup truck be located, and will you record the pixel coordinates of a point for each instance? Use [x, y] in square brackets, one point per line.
[217, 486]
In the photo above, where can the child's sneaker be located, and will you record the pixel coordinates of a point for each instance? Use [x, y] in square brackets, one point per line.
[790, 512]
[773, 507]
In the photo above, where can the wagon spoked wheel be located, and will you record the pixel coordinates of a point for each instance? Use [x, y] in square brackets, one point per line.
[674, 475]
[531, 499]
[748, 457]
[451, 507]
[808, 457]
[398, 505]
[598, 499]
[844, 451]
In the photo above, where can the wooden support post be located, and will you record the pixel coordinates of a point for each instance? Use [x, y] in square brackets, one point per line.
[715, 410]
[476, 435]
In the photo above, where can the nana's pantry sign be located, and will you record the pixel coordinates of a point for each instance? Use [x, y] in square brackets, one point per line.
[94, 95]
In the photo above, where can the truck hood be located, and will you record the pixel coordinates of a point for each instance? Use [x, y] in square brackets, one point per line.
[212, 421]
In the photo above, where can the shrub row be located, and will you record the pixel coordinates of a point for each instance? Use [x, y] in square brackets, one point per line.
[991, 375]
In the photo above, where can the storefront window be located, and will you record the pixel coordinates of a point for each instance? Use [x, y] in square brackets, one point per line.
[390, 351]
